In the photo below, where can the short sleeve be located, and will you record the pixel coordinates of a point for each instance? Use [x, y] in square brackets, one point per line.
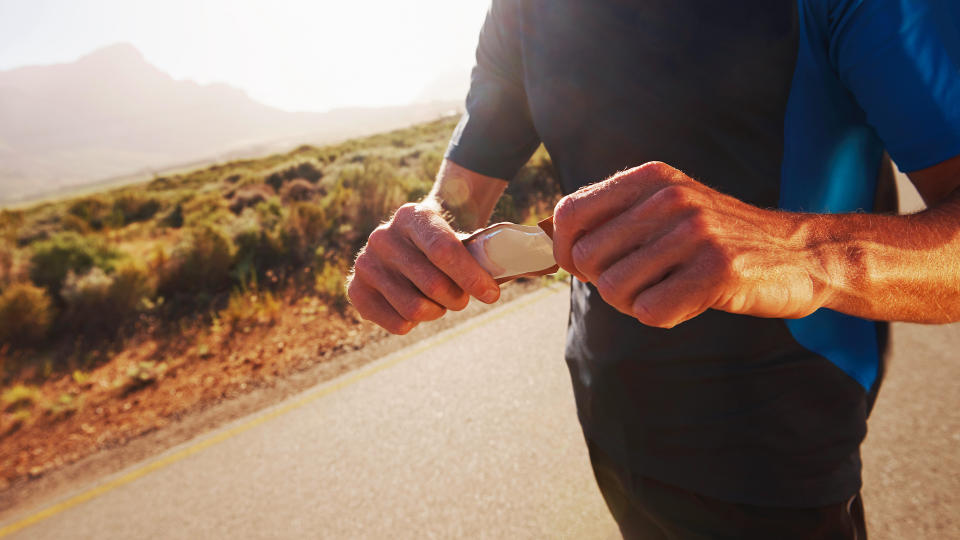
[901, 61]
[496, 135]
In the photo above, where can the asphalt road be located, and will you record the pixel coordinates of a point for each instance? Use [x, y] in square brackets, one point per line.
[473, 434]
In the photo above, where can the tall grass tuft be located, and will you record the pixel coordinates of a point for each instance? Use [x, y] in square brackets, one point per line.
[26, 313]
[200, 263]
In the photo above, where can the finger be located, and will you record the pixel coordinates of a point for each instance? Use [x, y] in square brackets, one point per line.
[433, 283]
[642, 268]
[589, 207]
[373, 307]
[638, 225]
[681, 296]
[441, 246]
[409, 302]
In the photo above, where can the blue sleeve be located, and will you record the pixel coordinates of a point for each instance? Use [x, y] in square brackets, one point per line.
[901, 61]
[496, 135]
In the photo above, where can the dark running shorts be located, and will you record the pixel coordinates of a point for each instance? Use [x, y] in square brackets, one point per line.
[651, 510]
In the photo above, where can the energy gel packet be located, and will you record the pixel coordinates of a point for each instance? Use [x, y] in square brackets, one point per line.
[508, 251]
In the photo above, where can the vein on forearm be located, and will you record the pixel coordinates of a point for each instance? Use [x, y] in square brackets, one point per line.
[897, 268]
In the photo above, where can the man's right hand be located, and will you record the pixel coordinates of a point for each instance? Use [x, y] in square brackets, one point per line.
[413, 269]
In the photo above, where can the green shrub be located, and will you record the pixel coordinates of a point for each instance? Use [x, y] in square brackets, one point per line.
[200, 262]
[305, 228]
[249, 197]
[364, 195]
[70, 222]
[174, 219]
[64, 252]
[307, 170]
[98, 303]
[10, 266]
[160, 183]
[133, 208]
[257, 249]
[20, 396]
[25, 314]
[250, 306]
[139, 376]
[330, 279]
[10, 223]
[298, 190]
[94, 210]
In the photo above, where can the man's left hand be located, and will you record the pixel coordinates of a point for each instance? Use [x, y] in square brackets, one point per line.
[663, 248]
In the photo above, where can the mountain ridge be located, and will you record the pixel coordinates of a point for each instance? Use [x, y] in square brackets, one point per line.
[111, 113]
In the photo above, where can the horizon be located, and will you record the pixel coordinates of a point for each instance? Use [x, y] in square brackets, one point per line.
[399, 44]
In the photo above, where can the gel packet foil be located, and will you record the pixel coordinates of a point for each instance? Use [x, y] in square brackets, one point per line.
[508, 251]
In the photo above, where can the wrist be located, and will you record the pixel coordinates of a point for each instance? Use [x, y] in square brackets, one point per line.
[827, 250]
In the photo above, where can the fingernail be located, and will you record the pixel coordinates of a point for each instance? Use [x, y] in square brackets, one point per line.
[490, 295]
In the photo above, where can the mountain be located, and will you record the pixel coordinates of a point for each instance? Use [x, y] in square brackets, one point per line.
[112, 114]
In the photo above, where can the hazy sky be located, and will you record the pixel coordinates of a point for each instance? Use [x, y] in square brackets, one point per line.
[296, 55]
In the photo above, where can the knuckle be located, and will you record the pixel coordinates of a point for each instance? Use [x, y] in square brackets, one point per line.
[698, 223]
[378, 238]
[435, 287]
[606, 287]
[656, 167]
[363, 268]
[675, 196]
[405, 212]
[581, 257]
[441, 250]
[563, 213]
[418, 309]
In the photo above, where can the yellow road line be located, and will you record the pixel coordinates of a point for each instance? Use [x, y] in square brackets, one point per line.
[327, 389]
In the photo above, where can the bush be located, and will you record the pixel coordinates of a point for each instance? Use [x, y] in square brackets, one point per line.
[25, 314]
[10, 223]
[305, 228]
[64, 252]
[256, 248]
[161, 183]
[249, 197]
[200, 263]
[330, 282]
[250, 306]
[306, 170]
[98, 303]
[133, 208]
[93, 210]
[298, 190]
[20, 396]
[10, 267]
[174, 219]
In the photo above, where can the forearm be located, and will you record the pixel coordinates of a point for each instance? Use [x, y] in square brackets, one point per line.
[895, 268]
[464, 197]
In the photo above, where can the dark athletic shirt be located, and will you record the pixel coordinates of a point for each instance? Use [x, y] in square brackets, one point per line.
[782, 104]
